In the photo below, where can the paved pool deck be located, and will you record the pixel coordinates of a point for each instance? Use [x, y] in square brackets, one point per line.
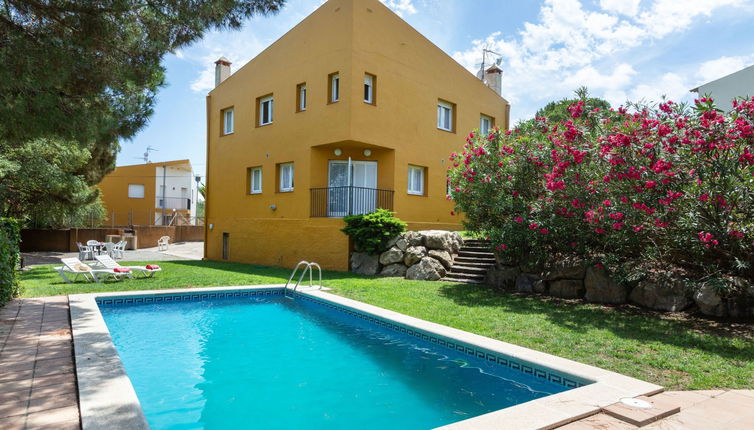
[38, 386]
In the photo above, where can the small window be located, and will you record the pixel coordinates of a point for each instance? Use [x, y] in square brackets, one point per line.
[416, 180]
[370, 82]
[135, 191]
[301, 97]
[255, 180]
[286, 177]
[334, 86]
[265, 110]
[228, 121]
[444, 116]
[485, 125]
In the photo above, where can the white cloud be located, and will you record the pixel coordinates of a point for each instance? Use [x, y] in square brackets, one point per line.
[625, 7]
[401, 7]
[569, 46]
[723, 66]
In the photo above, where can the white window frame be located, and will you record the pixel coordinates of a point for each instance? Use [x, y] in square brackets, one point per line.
[228, 119]
[265, 104]
[482, 120]
[255, 186]
[416, 184]
[302, 97]
[135, 195]
[368, 88]
[335, 88]
[285, 186]
[444, 114]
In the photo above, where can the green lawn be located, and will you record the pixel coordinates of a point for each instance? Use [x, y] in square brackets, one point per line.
[678, 353]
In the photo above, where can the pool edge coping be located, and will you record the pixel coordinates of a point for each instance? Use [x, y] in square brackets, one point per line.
[108, 400]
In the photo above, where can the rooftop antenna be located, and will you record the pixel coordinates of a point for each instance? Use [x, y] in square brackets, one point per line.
[145, 157]
[486, 51]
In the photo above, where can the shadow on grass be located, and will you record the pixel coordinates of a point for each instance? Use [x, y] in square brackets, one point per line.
[624, 322]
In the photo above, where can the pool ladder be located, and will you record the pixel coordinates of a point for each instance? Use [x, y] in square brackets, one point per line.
[307, 268]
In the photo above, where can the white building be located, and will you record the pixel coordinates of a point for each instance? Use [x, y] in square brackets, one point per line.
[727, 88]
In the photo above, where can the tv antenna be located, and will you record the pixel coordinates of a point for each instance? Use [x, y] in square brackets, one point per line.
[145, 157]
[497, 62]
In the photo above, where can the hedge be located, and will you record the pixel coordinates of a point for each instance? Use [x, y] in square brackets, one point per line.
[10, 237]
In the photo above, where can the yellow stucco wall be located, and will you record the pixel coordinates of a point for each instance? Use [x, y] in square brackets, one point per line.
[351, 37]
[114, 192]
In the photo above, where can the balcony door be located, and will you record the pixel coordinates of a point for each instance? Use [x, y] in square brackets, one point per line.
[354, 191]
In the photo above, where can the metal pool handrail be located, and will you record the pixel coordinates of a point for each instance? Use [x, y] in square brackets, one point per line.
[307, 267]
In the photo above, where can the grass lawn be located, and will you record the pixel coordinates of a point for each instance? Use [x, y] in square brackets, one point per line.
[677, 352]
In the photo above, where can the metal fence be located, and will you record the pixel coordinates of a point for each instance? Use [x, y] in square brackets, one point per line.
[336, 202]
[148, 217]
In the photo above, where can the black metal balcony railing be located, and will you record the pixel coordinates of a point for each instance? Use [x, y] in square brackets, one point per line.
[335, 202]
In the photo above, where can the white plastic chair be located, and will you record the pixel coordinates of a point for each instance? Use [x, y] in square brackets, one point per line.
[162, 243]
[85, 252]
[119, 249]
[95, 246]
[109, 263]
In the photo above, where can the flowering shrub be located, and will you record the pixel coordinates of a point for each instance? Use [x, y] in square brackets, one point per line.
[670, 185]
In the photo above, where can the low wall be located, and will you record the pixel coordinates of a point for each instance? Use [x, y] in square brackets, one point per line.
[64, 240]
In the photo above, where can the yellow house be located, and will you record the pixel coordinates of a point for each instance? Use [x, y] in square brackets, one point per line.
[149, 194]
[351, 110]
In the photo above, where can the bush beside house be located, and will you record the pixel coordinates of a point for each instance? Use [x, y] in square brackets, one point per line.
[661, 197]
[10, 237]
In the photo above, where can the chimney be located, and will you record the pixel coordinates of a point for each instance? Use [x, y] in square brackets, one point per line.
[493, 78]
[222, 70]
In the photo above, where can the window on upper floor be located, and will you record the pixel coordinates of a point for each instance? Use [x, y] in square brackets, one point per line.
[445, 115]
[255, 180]
[265, 108]
[334, 88]
[416, 176]
[301, 97]
[285, 172]
[135, 191]
[227, 121]
[485, 124]
[370, 88]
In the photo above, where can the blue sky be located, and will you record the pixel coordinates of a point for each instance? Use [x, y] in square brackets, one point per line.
[620, 49]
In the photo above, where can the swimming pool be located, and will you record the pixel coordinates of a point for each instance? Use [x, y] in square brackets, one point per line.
[227, 357]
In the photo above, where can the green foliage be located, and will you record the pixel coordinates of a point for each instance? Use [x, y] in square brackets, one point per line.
[371, 232]
[85, 74]
[10, 238]
[557, 111]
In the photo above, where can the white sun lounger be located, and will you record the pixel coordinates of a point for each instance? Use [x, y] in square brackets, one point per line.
[109, 263]
[74, 266]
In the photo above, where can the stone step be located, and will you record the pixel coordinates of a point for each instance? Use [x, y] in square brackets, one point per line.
[476, 270]
[475, 254]
[464, 275]
[475, 249]
[460, 280]
[462, 261]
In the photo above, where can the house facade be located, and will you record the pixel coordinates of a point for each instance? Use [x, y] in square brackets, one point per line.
[161, 193]
[350, 111]
[726, 89]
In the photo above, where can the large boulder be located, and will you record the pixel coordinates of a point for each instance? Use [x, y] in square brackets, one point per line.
[399, 242]
[601, 288]
[528, 283]
[564, 269]
[413, 238]
[567, 288]
[391, 256]
[709, 302]
[665, 295]
[503, 277]
[427, 269]
[394, 270]
[439, 239]
[365, 264]
[414, 254]
[442, 256]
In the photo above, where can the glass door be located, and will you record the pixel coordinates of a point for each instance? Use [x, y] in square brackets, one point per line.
[354, 191]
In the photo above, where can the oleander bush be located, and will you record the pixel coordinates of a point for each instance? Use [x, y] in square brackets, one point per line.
[648, 186]
[10, 237]
[371, 232]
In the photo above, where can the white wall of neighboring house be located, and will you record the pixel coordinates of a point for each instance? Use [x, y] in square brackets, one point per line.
[180, 187]
[727, 88]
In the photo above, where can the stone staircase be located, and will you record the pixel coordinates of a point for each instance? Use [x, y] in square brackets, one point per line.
[472, 262]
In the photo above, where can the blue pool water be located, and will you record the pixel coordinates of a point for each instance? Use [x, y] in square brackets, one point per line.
[276, 363]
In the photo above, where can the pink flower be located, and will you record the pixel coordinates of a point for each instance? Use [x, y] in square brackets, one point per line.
[607, 203]
[650, 184]
[618, 225]
[638, 228]
[501, 247]
[544, 231]
[736, 234]
[519, 219]
[533, 226]
[616, 215]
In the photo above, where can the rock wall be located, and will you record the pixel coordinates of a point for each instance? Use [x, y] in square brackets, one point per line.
[593, 283]
[419, 255]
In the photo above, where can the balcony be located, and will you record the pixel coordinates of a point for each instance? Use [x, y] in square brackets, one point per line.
[177, 203]
[336, 202]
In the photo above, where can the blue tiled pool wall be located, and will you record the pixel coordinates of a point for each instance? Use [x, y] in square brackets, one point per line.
[489, 357]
